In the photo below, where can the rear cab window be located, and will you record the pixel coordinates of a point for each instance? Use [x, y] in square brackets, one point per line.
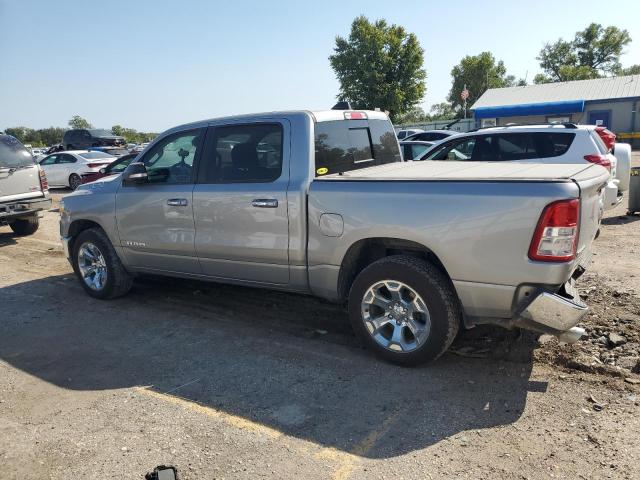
[13, 154]
[347, 145]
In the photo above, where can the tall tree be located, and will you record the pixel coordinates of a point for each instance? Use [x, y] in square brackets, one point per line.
[478, 73]
[78, 122]
[379, 65]
[594, 52]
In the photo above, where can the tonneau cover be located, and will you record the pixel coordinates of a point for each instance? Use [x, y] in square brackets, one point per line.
[465, 170]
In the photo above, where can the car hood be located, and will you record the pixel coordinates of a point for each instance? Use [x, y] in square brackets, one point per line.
[465, 170]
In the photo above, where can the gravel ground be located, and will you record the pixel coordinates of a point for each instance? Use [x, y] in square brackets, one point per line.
[237, 383]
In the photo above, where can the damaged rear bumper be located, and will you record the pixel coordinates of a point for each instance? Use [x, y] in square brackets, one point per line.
[555, 313]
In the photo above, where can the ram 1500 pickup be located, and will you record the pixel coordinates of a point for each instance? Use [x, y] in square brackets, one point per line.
[322, 203]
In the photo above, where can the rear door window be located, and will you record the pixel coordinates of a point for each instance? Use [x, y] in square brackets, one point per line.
[532, 145]
[346, 145]
[461, 149]
[13, 154]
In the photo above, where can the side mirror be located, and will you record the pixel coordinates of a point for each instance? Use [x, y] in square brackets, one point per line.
[135, 174]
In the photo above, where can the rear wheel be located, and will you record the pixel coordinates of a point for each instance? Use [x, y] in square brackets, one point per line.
[98, 267]
[74, 181]
[404, 309]
[25, 226]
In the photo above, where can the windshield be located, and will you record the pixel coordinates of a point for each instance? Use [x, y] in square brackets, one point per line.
[346, 145]
[95, 155]
[13, 154]
[99, 132]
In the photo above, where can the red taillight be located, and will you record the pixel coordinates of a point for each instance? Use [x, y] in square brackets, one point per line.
[601, 160]
[556, 236]
[355, 115]
[607, 136]
[95, 165]
[44, 184]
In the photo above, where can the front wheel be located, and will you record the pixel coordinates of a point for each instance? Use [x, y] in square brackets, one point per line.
[404, 309]
[98, 267]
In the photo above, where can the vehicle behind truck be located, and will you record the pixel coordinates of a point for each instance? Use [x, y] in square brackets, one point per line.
[24, 191]
[321, 203]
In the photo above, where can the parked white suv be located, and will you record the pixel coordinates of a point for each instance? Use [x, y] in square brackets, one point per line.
[557, 143]
[23, 187]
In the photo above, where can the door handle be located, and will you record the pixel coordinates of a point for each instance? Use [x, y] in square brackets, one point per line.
[265, 203]
[177, 202]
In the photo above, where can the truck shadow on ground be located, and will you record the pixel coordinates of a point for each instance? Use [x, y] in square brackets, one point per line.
[286, 361]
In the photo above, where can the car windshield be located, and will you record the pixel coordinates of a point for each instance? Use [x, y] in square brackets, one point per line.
[99, 132]
[96, 155]
[13, 154]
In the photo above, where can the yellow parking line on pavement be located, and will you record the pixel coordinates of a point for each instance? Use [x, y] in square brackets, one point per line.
[228, 418]
[349, 461]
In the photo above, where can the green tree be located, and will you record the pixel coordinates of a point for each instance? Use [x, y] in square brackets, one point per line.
[21, 133]
[444, 111]
[632, 70]
[415, 115]
[379, 65]
[51, 135]
[594, 52]
[478, 73]
[78, 122]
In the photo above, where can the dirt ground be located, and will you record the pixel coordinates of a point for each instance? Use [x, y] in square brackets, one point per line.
[238, 383]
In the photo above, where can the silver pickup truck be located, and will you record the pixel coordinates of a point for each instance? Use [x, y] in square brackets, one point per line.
[321, 203]
[24, 191]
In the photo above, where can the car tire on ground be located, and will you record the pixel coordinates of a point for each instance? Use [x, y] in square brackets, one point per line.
[97, 266]
[25, 226]
[74, 181]
[404, 309]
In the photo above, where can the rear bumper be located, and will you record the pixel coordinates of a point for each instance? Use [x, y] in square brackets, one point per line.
[555, 313]
[611, 195]
[22, 208]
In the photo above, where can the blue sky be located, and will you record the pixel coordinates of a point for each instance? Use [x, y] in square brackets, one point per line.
[154, 64]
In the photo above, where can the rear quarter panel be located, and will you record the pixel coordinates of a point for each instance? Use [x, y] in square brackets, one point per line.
[480, 231]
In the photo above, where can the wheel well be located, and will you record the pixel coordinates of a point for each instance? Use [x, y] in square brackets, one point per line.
[364, 252]
[79, 226]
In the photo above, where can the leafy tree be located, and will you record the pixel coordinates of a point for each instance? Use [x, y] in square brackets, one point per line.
[478, 73]
[444, 111]
[78, 122]
[415, 115]
[594, 52]
[379, 65]
[20, 133]
[131, 135]
[37, 138]
[632, 70]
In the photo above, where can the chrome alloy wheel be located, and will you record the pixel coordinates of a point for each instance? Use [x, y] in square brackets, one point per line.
[395, 316]
[92, 266]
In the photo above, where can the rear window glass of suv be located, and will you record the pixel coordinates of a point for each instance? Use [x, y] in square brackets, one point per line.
[13, 154]
[602, 148]
[346, 145]
[101, 133]
[528, 146]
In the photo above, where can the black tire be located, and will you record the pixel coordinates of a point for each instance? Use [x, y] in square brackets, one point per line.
[74, 181]
[432, 285]
[118, 281]
[25, 226]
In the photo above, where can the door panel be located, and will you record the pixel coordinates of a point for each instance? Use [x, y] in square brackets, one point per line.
[240, 206]
[155, 219]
